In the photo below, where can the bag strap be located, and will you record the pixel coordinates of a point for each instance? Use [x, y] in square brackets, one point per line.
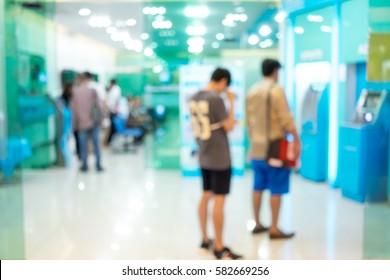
[268, 118]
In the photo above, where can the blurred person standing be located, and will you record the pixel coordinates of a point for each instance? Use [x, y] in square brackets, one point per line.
[87, 109]
[211, 122]
[269, 118]
[113, 100]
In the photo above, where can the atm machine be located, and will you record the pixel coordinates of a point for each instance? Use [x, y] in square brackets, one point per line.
[314, 136]
[364, 149]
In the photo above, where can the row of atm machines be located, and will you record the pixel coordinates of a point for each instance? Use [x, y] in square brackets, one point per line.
[363, 143]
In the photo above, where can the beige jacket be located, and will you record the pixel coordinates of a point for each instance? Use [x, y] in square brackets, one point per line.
[281, 120]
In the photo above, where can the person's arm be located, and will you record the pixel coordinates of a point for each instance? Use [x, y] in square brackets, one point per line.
[285, 118]
[228, 124]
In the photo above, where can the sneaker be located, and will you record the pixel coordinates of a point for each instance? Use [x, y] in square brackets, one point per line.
[226, 254]
[207, 245]
[84, 169]
[259, 229]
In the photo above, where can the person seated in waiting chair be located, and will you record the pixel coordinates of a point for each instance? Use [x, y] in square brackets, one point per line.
[138, 118]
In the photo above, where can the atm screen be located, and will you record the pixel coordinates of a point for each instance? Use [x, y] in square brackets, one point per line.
[372, 100]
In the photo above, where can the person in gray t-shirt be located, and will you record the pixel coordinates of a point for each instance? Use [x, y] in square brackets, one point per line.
[211, 122]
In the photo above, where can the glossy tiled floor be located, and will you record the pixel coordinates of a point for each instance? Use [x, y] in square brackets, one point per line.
[132, 213]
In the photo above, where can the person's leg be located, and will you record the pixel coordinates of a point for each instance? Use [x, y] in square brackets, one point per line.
[78, 150]
[218, 216]
[112, 128]
[82, 136]
[95, 139]
[260, 184]
[279, 185]
[203, 213]
[275, 209]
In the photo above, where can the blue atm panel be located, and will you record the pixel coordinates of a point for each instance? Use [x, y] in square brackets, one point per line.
[315, 115]
[364, 148]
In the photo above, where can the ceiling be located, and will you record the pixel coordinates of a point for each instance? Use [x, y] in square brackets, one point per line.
[172, 41]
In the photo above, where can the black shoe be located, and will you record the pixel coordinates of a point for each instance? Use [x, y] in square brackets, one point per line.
[259, 229]
[99, 169]
[281, 235]
[226, 254]
[207, 245]
[84, 169]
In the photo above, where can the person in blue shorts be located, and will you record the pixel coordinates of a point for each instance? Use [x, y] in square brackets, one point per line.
[269, 118]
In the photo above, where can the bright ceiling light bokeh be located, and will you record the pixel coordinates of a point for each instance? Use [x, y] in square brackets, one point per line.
[148, 52]
[197, 12]
[199, 30]
[215, 45]
[265, 30]
[253, 39]
[195, 41]
[165, 24]
[195, 49]
[326, 28]
[220, 36]
[85, 12]
[228, 22]
[266, 43]
[280, 16]
[133, 45]
[157, 69]
[131, 22]
[315, 18]
[299, 30]
[171, 43]
[239, 10]
[145, 36]
[154, 11]
[99, 21]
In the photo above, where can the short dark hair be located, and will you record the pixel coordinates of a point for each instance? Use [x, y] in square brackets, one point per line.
[221, 73]
[114, 81]
[87, 75]
[269, 66]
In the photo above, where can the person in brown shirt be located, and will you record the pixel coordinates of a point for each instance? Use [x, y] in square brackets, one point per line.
[268, 118]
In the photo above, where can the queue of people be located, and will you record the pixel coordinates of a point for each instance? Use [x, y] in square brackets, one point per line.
[269, 119]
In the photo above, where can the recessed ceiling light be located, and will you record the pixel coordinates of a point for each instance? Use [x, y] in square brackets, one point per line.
[85, 12]
[280, 16]
[131, 22]
[253, 39]
[215, 45]
[299, 30]
[266, 43]
[265, 30]
[145, 36]
[197, 12]
[157, 69]
[239, 10]
[148, 52]
[220, 36]
[195, 41]
[154, 11]
[199, 30]
[315, 18]
[195, 49]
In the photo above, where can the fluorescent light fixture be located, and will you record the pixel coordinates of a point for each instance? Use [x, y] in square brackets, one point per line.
[161, 11]
[99, 21]
[266, 43]
[280, 16]
[195, 49]
[131, 22]
[85, 12]
[253, 40]
[243, 17]
[228, 22]
[265, 30]
[167, 33]
[111, 30]
[299, 30]
[326, 29]
[197, 12]
[315, 18]
[145, 36]
[196, 30]
[220, 36]
[133, 45]
[157, 69]
[195, 41]
[215, 45]
[148, 52]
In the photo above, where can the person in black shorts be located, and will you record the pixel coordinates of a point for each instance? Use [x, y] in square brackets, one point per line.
[211, 122]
